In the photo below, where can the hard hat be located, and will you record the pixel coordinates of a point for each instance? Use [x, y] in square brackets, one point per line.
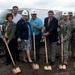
[73, 13]
[33, 12]
[64, 13]
[70, 13]
[24, 12]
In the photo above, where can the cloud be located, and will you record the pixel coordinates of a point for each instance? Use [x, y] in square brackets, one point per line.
[45, 4]
[3, 1]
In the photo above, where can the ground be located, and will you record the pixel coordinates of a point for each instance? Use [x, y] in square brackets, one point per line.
[27, 69]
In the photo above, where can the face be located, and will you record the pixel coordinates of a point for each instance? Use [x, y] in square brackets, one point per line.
[70, 17]
[10, 18]
[65, 17]
[33, 16]
[50, 15]
[15, 10]
[24, 17]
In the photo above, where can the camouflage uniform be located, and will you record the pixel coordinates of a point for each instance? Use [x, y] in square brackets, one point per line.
[73, 35]
[66, 35]
[1, 34]
[1, 62]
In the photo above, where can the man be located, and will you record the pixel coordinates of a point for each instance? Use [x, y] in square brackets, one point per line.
[65, 25]
[72, 40]
[50, 26]
[1, 62]
[16, 18]
[36, 26]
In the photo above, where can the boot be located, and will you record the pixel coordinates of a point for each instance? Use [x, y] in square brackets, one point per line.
[65, 62]
[1, 62]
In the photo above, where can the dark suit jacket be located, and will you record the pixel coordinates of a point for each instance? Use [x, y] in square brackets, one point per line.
[10, 31]
[22, 30]
[52, 29]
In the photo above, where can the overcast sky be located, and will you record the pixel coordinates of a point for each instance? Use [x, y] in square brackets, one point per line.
[45, 4]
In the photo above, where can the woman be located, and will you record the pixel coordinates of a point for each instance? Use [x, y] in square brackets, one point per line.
[23, 34]
[9, 29]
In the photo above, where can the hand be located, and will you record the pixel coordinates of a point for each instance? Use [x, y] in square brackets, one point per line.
[74, 26]
[44, 28]
[19, 40]
[8, 42]
[34, 26]
[4, 39]
[61, 26]
[46, 34]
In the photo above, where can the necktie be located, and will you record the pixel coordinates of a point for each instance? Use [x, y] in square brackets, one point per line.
[49, 20]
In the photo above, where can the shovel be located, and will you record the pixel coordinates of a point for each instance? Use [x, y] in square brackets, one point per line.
[15, 69]
[74, 64]
[47, 67]
[35, 66]
[62, 66]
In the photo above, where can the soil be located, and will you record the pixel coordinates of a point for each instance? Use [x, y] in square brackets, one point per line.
[27, 69]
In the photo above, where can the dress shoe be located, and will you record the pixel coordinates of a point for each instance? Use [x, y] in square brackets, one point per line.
[7, 64]
[52, 63]
[1, 62]
[23, 61]
[18, 60]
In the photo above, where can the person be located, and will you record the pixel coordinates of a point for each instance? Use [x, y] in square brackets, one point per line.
[36, 26]
[16, 18]
[50, 28]
[9, 29]
[65, 25]
[1, 36]
[16, 15]
[72, 40]
[24, 36]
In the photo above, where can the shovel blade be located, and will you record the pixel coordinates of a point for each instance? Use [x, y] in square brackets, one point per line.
[35, 66]
[74, 65]
[47, 68]
[62, 67]
[16, 70]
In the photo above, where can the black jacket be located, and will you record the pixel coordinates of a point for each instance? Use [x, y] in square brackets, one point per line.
[22, 30]
[52, 29]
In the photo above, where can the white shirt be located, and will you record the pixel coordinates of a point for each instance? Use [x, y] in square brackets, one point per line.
[16, 18]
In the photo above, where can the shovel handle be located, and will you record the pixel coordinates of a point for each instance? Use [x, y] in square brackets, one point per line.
[46, 50]
[62, 47]
[10, 53]
[34, 47]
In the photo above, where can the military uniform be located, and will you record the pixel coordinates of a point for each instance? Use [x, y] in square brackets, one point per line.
[73, 35]
[66, 35]
[2, 38]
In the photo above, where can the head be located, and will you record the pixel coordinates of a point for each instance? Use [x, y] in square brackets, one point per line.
[24, 15]
[74, 17]
[33, 14]
[70, 17]
[65, 15]
[15, 9]
[50, 14]
[9, 17]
